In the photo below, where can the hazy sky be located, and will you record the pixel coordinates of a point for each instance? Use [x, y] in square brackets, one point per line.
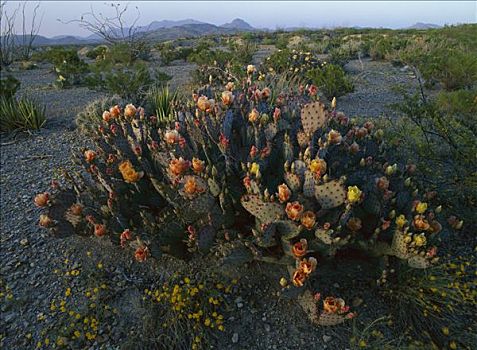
[270, 14]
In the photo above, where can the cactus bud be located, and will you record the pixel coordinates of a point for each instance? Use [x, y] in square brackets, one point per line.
[407, 182]
[389, 170]
[377, 231]
[325, 178]
[244, 167]
[362, 162]
[395, 167]
[333, 103]
[292, 168]
[286, 166]
[379, 133]
[283, 282]
[439, 209]
[414, 193]
[214, 171]
[258, 175]
[211, 79]
[459, 225]
[392, 214]
[266, 194]
[307, 153]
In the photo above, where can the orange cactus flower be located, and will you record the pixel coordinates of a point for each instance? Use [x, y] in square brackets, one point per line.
[266, 92]
[198, 165]
[382, 183]
[130, 111]
[115, 111]
[294, 210]
[420, 223]
[128, 172]
[203, 103]
[299, 248]
[308, 219]
[76, 209]
[178, 166]
[107, 116]
[284, 193]
[308, 265]
[299, 278]
[354, 224]
[125, 236]
[318, 167]
[253, 116]
[41, 199]
[227, 98]
[171, 136]
[191, 187]
[141, 254]
[230, 86]
[334, 137]
[89, 155]
[333, 305]
[45, 221]
[99, 230]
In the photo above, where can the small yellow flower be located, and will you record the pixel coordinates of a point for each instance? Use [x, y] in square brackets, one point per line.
[401, 221]
[362, 343]
[445, 330]
[421, 207]
[453, 345]
[254, 169]
[354, 194]
[419, 240]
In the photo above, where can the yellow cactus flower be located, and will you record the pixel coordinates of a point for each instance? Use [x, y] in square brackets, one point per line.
[419, 240]
[421, 207]
[401, 221]
[318, 166]
[354, 194]
[254, 169]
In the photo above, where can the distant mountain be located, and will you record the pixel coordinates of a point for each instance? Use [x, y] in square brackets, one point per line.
[157, 30]
[155, 25]
[420, 25]
[238, 23]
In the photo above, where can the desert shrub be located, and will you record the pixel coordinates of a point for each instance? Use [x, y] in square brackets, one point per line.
[441, 138]
[120, 72]
[187, 311]
[380, 48]
[238, 177]
[290, 62]
[8, 86]
[331, 80]
[21, 114]
[68, 67]
[28, 65]
[460, 102]
[97, 52]
[433, 305]
[453, 68]
[87, 120]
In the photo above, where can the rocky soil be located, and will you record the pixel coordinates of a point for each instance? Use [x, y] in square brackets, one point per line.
[32, 261]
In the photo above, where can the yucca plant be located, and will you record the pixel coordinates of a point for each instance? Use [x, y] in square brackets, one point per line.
[161, 100]
[22, 114]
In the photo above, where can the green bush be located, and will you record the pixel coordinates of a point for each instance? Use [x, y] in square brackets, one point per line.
[440, 135]
[8, 86]
[97, 52]
[22, 114]
[331, 80]
[68, 67]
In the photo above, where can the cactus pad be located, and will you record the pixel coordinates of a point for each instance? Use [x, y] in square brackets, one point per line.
[330, 194]
[327, 319]
[313, 116]
[293, 181]
[264, 211]
[309, 184]
[418, 262]
[270, 131]
[324, 236]
[302, 139]
[399, 247]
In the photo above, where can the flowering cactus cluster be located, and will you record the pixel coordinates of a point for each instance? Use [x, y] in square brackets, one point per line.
[245, 175]
[291, 62]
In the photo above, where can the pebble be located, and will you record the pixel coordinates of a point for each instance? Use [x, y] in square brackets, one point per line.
[326, 338]
[235, 338]
[267, 327]
[24, 242]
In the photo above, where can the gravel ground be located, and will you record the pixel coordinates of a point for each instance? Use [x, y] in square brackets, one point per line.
[258, 319]
[374, 88]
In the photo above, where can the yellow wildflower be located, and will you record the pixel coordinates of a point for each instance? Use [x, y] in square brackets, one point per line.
[354, 194]
[401, 221]
[421, 207]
